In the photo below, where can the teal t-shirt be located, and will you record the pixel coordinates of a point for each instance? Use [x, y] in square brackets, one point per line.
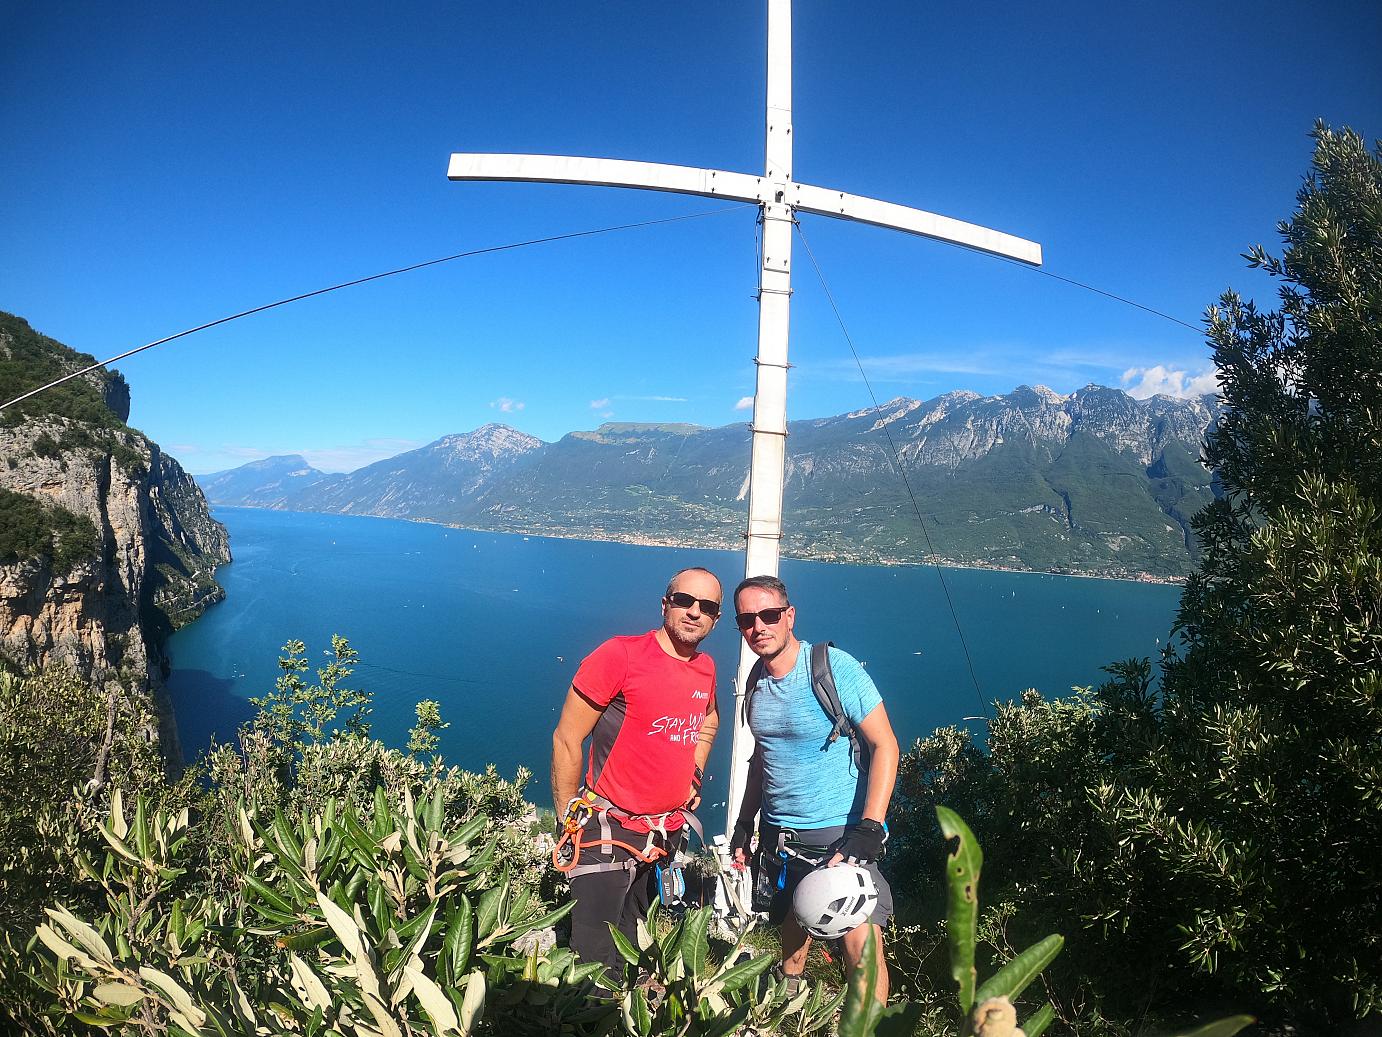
[805, 783]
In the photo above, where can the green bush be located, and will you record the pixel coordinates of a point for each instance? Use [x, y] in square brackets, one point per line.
[31, 529]
[28, 360]
[1220, 832]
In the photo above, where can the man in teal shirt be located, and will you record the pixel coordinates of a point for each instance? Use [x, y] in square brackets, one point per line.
[818, 797]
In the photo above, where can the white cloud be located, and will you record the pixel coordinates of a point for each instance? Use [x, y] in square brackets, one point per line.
[607, 414]
[507, 405]
[745, 403]
[1142, 382]
[597, 404]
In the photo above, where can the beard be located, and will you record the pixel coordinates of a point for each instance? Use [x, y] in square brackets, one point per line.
[682, 637]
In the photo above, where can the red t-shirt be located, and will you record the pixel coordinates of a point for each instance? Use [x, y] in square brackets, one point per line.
[642, 751]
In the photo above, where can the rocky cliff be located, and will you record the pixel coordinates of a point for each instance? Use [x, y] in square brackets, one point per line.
[108, 544]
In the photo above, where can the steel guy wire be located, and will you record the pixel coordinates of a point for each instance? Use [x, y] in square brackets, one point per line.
[896, 460]
[365, 280]
[1078, 284]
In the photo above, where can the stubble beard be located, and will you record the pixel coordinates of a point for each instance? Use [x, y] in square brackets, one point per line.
[680, 638]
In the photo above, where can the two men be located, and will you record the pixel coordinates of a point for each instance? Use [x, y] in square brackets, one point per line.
[817, 803]
[649, 702]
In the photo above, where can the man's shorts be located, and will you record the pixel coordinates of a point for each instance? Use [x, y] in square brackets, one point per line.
[798, 868]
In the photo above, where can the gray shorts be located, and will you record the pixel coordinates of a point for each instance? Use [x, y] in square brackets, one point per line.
[797, 868]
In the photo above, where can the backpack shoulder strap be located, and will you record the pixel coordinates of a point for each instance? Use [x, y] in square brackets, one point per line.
[823, 684]
[750, 686]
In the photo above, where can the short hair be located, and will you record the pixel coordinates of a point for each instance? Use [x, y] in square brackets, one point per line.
[767, 583]
[672, 583]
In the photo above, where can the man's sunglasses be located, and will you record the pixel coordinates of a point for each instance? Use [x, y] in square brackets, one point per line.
[768, 616]
[682, 600]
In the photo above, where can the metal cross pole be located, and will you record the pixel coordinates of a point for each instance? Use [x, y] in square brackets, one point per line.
[780, 198]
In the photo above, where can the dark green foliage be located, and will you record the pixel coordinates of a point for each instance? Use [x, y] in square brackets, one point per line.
[990, 1008]
[31, 529]
[86, 413]
[63, 741]
[1273, 703]
[28, 360]
[46, 447]
[1224, 834]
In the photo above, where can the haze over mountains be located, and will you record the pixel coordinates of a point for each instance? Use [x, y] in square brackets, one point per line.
[1092, 482]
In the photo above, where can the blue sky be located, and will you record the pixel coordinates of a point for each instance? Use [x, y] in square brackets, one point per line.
[168, 164]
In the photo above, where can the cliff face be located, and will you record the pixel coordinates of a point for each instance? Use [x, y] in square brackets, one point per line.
[150, 565]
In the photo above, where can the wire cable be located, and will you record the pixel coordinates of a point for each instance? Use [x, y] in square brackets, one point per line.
[365, 280]
[896, 459]
[1071, 281]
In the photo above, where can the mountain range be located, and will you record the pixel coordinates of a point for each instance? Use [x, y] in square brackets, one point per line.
[1094, 482]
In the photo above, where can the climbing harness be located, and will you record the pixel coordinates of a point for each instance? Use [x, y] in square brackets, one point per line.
[772, 866]
[659, 849]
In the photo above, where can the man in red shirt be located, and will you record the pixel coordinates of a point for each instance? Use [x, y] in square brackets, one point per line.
[649, 702]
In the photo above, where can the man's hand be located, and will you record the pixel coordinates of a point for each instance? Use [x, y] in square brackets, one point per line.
[741, 842]
[562, 852]
[697, 779]
[861, 843]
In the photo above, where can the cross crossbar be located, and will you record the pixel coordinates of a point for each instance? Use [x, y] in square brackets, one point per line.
[739, 187]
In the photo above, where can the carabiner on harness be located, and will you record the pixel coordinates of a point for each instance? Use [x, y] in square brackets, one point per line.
[589, 806]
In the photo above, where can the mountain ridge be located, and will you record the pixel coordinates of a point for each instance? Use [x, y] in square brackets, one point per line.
[1092, 482]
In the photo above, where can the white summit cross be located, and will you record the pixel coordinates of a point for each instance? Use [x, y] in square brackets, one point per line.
[780, 198]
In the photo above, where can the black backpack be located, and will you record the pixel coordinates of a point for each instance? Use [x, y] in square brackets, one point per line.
[823, 684]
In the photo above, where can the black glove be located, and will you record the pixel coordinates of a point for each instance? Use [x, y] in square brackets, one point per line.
[742, 838]
[862, 842]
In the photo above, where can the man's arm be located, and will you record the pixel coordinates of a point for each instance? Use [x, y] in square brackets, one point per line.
[752, 802]
[578, 719]
[705, 738]
[877, 732]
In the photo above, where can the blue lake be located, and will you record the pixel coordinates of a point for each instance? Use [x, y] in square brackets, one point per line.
[494, 625]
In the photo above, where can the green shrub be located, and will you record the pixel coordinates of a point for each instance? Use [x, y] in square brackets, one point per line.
[1188, 829]
[31, 529]
[28, 360]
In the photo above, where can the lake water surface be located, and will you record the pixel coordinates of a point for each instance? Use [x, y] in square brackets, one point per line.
[494, 625]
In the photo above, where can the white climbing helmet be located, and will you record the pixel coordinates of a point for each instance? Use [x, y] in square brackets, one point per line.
[830, 902]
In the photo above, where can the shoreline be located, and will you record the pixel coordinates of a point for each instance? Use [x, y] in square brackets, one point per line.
[652, 541]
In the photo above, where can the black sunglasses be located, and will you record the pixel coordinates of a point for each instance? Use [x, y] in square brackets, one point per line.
[768, 616]
[682, 600]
